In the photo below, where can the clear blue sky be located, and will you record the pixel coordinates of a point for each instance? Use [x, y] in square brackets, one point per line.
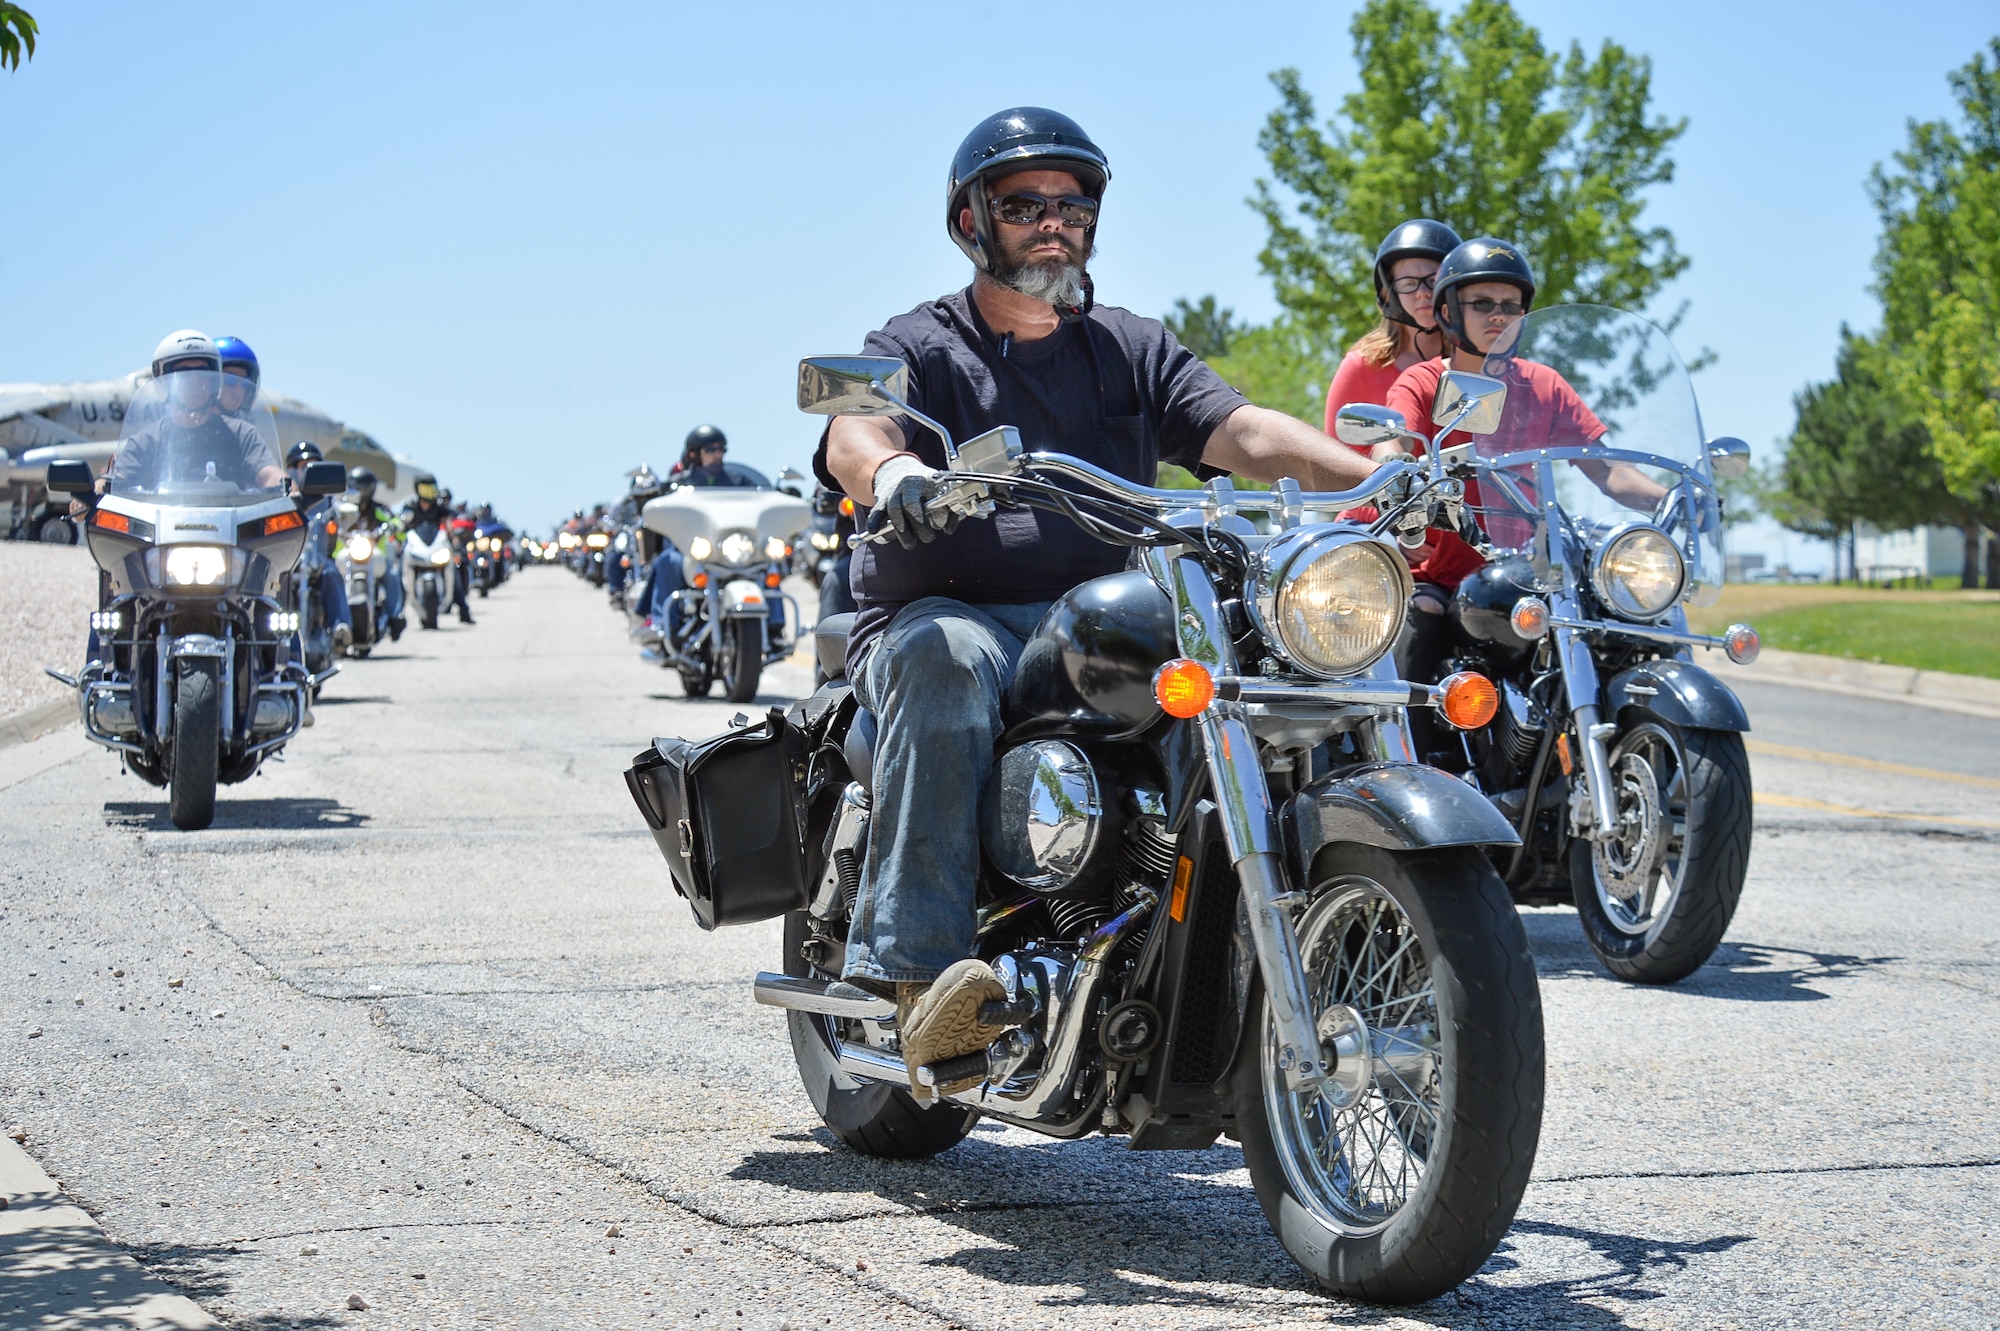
[534, 246]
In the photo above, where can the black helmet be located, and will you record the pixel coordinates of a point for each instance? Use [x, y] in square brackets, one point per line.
[702, 436]
[1482, 259]
[425, 487]
[303, 452]
[361, 480]
[1419, 238]
[1025, 138]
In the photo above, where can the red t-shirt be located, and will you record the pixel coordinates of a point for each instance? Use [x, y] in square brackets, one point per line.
[1358, 381]
[1542, 411]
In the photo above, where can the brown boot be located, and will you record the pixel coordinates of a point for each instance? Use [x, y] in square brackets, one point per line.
[941, 1021]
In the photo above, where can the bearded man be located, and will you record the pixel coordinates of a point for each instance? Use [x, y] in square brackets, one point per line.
[944, 612]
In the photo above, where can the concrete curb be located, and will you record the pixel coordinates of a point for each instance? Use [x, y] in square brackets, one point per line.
[1966, 694]
[59, 1271]
[35, 722]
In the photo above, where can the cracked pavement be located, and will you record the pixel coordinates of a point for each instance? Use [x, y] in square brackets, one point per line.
[420, 1020]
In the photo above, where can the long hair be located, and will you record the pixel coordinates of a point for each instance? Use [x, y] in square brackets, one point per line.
[1380, 345]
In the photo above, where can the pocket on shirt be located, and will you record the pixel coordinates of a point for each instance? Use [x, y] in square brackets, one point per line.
[1121, 444]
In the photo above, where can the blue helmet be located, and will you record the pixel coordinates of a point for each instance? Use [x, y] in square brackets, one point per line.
[237, 358]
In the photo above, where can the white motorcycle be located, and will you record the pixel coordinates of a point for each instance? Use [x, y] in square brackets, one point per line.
[735, 544]
[428, 556]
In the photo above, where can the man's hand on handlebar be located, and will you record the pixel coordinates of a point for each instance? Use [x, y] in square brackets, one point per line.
[905, 491]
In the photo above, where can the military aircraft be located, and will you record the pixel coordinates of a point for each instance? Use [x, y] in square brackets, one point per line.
[40, 423]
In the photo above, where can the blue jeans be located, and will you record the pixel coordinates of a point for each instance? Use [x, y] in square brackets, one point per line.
[392, 594]
[333, 598]
[934, 681]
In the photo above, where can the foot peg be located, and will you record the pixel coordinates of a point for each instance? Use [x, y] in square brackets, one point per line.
[969, 1067]
[800, 994]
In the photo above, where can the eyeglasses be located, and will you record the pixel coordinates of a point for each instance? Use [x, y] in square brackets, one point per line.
[1510, 308]
[1409, 286]
[1024, 209]
[713, 448]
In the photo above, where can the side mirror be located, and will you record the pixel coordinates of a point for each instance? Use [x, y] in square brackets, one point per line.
[852, 385]
[1364, 425]
[1469, 402]
[323, 478]
[791, 481]
[70, 478]
[1728, 457]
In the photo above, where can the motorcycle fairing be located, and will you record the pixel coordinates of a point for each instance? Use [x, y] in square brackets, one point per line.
[1678, 692]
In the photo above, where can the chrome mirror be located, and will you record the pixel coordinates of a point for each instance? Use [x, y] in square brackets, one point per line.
[852, 385]
[1469, 402]
[1364, 425]
[1728, 457]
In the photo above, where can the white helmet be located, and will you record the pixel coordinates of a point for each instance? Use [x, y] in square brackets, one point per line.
[187, 342]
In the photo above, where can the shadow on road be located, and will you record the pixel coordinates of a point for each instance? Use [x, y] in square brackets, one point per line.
[337, 700]
[1173, 1251]
[198, 1271]
[1759, 973]
[289, 815]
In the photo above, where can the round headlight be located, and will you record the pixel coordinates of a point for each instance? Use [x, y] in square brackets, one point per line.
[700, 548]
[1333, 602]
[1639, 572]
[360, 548]
[441, 555]
[738, 548]
[775, 548]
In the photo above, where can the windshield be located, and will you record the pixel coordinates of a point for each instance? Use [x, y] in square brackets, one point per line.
[181, 443]
[1610, 382]
[730, 474]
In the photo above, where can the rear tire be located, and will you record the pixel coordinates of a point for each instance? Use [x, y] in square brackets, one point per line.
[873, 1118]
[743, 658]
[56, 530]
[1422, 955]
[197, 741]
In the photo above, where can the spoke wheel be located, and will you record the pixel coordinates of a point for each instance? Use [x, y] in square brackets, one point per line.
[1637, 873]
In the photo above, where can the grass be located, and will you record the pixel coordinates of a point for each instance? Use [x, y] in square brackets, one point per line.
[1953, 631]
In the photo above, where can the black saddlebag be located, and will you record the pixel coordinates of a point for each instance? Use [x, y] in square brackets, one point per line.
[727, 816]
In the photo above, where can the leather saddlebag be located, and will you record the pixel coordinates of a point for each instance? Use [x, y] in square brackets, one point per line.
[726, 814]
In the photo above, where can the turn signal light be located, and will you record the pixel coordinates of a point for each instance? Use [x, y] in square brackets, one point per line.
[1183, 688]
[278, 522]
[111, 521]
[700, 580]
[1742, 643]
[1469, 699]
[1530, 618]
[846, 507]
[771, 579]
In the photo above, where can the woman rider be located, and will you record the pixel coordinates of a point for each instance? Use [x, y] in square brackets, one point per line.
[1406, 264]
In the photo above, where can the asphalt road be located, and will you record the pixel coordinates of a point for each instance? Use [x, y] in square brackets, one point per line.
[419, 1020]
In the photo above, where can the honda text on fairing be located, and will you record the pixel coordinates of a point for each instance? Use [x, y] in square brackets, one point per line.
[730, 618]
[196, 677]
[1619, 761]
[1219, 890]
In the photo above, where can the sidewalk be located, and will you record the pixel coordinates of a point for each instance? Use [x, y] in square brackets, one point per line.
[1967, 694]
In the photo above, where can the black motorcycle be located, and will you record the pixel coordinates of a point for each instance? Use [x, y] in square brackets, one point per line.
[1222, 895]
[1619, 761]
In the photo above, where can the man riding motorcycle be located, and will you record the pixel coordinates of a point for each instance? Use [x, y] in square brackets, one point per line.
[369, 514]
[194, 430]
[940, 629]
[702, 460]
[317, 563]
[460, 524]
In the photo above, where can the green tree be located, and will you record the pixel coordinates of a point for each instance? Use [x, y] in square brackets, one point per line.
[1203, 328]
[17, 34]
[1938, 276]
[1472, 121]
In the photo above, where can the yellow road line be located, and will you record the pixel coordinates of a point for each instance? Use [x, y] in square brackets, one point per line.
[1822, 806]
[1866, 764]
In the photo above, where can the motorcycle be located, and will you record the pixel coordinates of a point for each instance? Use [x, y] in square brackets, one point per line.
[367, 557]
[489, 555]
[317, 642]
[196, 677]
[735, 543]
[428, 554]
[1619, 761]
[1219, 890]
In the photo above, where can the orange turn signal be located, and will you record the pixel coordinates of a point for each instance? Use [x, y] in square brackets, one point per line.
[1530, 618]
[846, 507]
[1469, 699]
[700, 581]
[1742, 644]
[1183, 688]
[110, 521]
[1562, 755]
[771, 578]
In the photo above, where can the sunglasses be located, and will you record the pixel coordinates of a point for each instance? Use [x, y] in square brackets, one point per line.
[1410, 286]
[713, 448]
[1482, 306]
[1024, 209]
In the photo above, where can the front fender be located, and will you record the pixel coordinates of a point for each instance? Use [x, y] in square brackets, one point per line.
[744, 598]
[1677, 692]
[1395, 806]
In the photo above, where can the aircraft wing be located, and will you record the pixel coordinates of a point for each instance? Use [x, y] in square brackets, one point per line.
[22, 427]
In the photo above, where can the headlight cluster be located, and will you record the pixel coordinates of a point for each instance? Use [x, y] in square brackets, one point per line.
[825, 540]
[196, 565]
[775, 548]
[597, 540]
[284, 621]
[1639, 572]
[441, 556]
[738, 547]
[1331, 602]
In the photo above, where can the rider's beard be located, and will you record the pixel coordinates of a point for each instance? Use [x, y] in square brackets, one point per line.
[1057, 282]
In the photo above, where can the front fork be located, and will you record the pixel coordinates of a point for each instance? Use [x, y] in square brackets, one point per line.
[1580, 685]
[1249, 822]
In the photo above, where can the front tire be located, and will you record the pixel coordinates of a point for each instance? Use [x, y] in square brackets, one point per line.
[427, 610]
[197, 744]
[873, 1118]
[743, 658]
[1655, 903]
[1398, 1178]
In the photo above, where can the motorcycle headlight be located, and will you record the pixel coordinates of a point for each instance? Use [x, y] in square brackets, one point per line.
[360, 549]
[597, 540]
[775, 548]
[196, 565]
[739, 547]
[441, 556]
[1330, 601]
[700, 548]
[1639, 572]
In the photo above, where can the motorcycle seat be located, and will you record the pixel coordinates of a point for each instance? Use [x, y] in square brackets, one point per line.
[830, 643]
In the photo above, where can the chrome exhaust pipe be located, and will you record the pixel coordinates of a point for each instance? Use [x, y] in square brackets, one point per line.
[799, 994]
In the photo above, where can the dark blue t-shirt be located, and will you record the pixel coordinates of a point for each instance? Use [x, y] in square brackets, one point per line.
[1114, 389]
